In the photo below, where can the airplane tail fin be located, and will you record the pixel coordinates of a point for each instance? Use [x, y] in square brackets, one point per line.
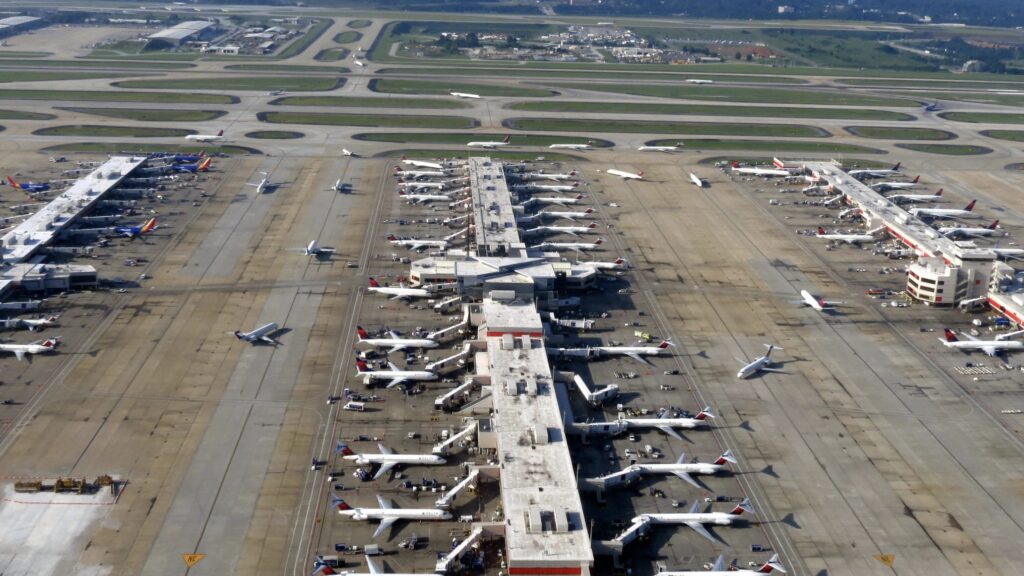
[507, 139]
[599, 241]
[916, 178]
[51, 343]
[822, 302]
[778, 163]
[665, 344]
[13, 183]
[579, 197]
[594, 225]
[340, 504]
[950, 335]
[362, 333]
[391, 238]
[149, 226]
[343, 449]
[705, 414]
[993, 225]
[640, 173]
[735, 164]
[939, 193]
[205, 164]
[620, 261]
[589, 211]
[361, 367]
[742, 507]
[771, 565]
[726, 457]
[970, 206]
[897, 166]
[220, 133]
[374, 283]
[821, 231]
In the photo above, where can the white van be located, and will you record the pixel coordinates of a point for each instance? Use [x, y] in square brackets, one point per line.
[357, 406]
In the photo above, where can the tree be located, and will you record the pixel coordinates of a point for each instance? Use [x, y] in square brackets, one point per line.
[738, 55]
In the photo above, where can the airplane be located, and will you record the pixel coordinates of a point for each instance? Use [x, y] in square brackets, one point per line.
[593, 352]
[584, 246]
[899, 198]
[133, 232]
[886, 186]
[819, 304]
[875, 173]
[314, 249]
[680, 468]
[586, 146]
[205, 137]
[719, 568]
[394, 375]
[422, 164]
[425, 198]
[486, 144]
[674, 148]
[341, 186]
[617, 264]
[262, 185]
[347, 152]
[259, 335]
[388, 514]
[699, 81]
[395, 343]
[28, 186]
[757, 171]
[387, 459]
[553, 200]
[697, 180]
[848, 238]
[32, 324]
[625, 175]
[945, 212]
[990, 347]
[697, 520]
[554, 187]
[183, 158]
[359, 63]
[550, 176]
[419, 173]
[933, 107]
[567, 215]
[662, 422]
[955, 231]
[423, 185]
[571, 230]
[465, 95]
[414, 244]
[194, 167]
[37, 347]
[1008, 252]
[762, 364]
[400, 292]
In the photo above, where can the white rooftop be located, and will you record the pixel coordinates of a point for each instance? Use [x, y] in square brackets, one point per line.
[181, 30]
[17, 20]
[494, 219]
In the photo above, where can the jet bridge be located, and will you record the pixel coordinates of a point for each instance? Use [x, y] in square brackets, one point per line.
[451, 331]
[445, 502]
[446, 561]
[636, 530]
[453, 362]
[597, 396]
[442, 400]
[442, 447]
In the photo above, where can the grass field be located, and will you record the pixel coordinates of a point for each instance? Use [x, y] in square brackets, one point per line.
[394, 86]
[374, 120]
[461, 138]
[287, 68]
[358, 23]
[710, 110]
[347, 37]
[899, 133]
[898, 83]
[597, 74]
[117, 96]
[979, 97]
[23, 54]
[299, 45]
[19, 115]
[682, 128]
[370, 102]
[150, 114]
[498, 154]
[50, 76]
[103, 64]
[742, 94]
[123, 148]
[771, 146]
[1012, 135]
[947, 149]
[984, 117]
[275, 135]
[93, 130]
[295, 83]
[331, 54]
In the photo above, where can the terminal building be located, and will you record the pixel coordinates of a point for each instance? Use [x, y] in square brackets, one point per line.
[14, 25]
[183, 32]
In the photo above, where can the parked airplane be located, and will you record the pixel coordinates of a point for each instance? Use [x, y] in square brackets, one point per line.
[900, 198]
[875, 173]
[395, 343]
[487, 144]
[696, 520]
[393, 375]
[580, 147]
[259, 335]
[549, 176]
[388, 514]
[945, 212]
[553, 200]
[425, 198]
[571, 230]
[680, 468]
[625, 175]
[699, 81]
[422, 164]
[414, 244]
[816, 302]
[674, 148]
[261, 186]
[419, 173]
[133, 232]
[758, 171]
[314, 249]
[990, 347]
[719, 568]
[966, 231]
[194, 167]
[37, 347]
[205, 137]
[762, 364]
[387, 459]
[663, 423]
[697, 180]
[869, 236]
[399, 292]
[567, 215]
[886, 186]
[584, 246]
[593, 352]
[465, 95]
[32, 324]
[554, 187]
[186, 158]
[423, 185]
[617, 264]
[28, 186]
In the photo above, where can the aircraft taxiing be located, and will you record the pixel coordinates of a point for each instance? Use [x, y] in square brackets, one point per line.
[205, 137]
[260, 335]
[761, 364]
[587, 146]
[816, 302]
[490, 144]
[625, 175]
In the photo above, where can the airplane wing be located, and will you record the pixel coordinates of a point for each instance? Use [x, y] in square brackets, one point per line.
[670, 431]
[372, 565]
[268, 339]
[20, 354]
[969, 337]
[385, 467]
[395, 382]
[699, 529]
[690, 479]
[719, 565]
[990, 350]
[637, 357]
[398, 348]
[384, 502]
[398, 297]
[392, 366]
[386, 524]
[779, 370]
[385, 450]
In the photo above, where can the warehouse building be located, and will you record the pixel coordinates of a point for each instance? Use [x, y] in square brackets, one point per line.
[14, 25]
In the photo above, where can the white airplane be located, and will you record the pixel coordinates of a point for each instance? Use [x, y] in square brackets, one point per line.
[419, 173]
[567, 215]
[414, 244]
[425, 198]
[586, 146]
[876, 173]
[394, 375]
[553, 200]
[680, 468]
[818, 303]
[900, 198]
[571, 230]
[990, 347]
[423, 185]
[965, 231]
[422, 164]
[719, 568]
[1008, 252]
[699, 81]
[32, 324]
[758, 171]
[486, 144]
[339, 186]
[593, 352]
[37, 347]
[554, 187]
[387, 459]
[550, 176]
[886, 186]
[395, 343]
[205, 137]
[762, 364]
[584, 246]
[945, 212]
[388, 514]
[314, 249]
[347, 152]
[359, 63]
[668, 425]
[696, 520]
[617, 264]
[261, 186]
[674, 148]
[259, 335]
[465, 95]
[400, 292]
[848, 238]
[697, 180]
[625, 175]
